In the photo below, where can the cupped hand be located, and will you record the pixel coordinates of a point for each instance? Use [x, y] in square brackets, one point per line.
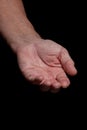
[46, 63]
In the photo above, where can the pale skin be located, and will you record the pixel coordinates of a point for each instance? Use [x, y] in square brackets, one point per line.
[42, 62]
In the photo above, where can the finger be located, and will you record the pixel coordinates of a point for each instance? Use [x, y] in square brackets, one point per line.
[56, 84]
[44, 88]
[55, 90]
[45, 85]
[67, 62]
[62, 78]
[55, 87]
[35, 79]
[38, 80]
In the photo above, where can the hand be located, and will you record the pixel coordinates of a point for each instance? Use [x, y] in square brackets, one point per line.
[45, 63]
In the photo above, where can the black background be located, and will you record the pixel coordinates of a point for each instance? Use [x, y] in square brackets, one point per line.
[62, 22]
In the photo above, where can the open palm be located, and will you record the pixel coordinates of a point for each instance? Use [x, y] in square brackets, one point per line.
[46, 63]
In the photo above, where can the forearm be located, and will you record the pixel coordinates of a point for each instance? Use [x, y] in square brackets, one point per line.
[14, 25]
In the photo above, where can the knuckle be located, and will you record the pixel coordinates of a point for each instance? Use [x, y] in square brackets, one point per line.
[64, 50]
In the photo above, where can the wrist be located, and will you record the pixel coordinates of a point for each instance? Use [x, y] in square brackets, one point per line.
[25, 40]
[19, 34]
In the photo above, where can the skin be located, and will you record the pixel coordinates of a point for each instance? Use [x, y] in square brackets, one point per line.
[42, 62]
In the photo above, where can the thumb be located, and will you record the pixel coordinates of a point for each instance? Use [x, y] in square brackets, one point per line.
[67, 62]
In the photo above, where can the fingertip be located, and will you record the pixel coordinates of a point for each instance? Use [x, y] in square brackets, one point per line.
[56, 85]
[48, 83]
[65, 84]
[44, 88]
[45, 85]
[70, 69]
[75, 71]
[55, 90]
